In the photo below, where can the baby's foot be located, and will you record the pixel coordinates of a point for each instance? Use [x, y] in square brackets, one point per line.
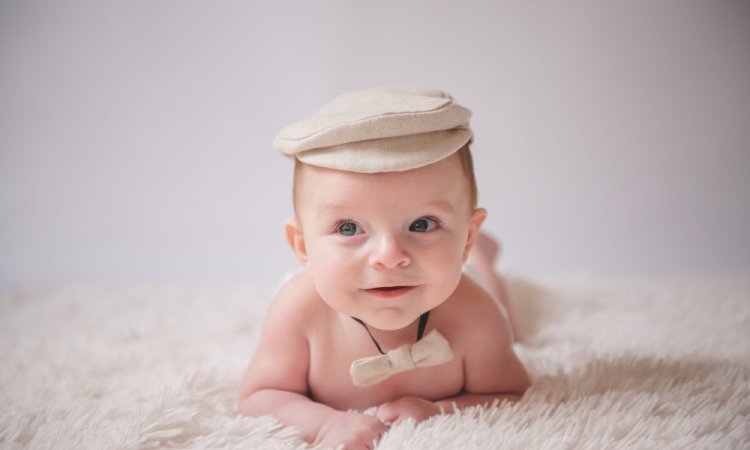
[483, 258]
[485, 252]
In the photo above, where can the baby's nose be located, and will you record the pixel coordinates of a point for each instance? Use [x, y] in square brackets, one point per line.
[389, 253]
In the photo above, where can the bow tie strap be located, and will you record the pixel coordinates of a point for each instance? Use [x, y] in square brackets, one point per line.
[431, 350]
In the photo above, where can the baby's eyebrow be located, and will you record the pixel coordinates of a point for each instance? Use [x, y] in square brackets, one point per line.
[442, 204]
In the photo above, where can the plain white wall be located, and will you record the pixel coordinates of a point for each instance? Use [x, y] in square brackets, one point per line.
[611, 137]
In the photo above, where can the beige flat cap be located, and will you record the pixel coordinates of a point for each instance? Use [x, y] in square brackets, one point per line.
[381, 129]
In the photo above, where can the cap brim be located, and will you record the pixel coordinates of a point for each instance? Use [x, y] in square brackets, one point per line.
[388, 154]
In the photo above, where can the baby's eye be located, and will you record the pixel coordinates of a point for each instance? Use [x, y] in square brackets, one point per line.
[423, 225]
[346, 228]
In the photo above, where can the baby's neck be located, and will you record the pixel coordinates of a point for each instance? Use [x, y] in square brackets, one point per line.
[387, 339]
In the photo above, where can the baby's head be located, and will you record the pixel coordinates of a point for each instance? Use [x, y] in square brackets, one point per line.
[464, 158]
[385, 201]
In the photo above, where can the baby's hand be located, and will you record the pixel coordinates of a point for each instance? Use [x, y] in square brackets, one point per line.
[352, 430]
[395, 411]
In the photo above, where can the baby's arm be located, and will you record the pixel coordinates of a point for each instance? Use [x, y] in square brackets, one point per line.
[492, 371]
[491, 368]
[487, 381]
[276, 380]
[273, 384]
[317, 423]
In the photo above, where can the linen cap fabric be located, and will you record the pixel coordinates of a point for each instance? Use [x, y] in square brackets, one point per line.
[382, 129]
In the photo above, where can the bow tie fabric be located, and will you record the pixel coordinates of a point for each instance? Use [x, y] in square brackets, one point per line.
[432, 350]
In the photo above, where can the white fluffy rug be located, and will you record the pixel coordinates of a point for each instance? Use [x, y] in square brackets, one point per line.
[616, 364]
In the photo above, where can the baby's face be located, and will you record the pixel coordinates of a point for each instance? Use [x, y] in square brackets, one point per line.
[386, 247]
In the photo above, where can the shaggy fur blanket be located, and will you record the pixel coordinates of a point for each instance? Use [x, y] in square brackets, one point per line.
[615, 364]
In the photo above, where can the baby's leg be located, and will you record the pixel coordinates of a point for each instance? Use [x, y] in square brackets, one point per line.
[483, 258]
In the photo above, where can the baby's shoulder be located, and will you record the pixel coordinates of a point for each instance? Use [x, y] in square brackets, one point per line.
[471, 301]
[472, 312]
[296, 304]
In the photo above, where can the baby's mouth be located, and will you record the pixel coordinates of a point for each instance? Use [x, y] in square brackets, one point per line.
[389, 291]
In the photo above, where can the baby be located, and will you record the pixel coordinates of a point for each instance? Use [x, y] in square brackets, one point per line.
[382, 314]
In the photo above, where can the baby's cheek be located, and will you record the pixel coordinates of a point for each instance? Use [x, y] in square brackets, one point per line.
[448, 277]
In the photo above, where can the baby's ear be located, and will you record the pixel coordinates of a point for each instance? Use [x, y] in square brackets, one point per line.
[295, 239]
[475, 223]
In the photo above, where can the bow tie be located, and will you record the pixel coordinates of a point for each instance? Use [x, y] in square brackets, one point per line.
[431, 350]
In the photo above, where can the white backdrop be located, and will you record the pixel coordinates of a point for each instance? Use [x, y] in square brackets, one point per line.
[611, 137]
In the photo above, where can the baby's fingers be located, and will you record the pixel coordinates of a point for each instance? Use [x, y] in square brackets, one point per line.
[388, 414]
